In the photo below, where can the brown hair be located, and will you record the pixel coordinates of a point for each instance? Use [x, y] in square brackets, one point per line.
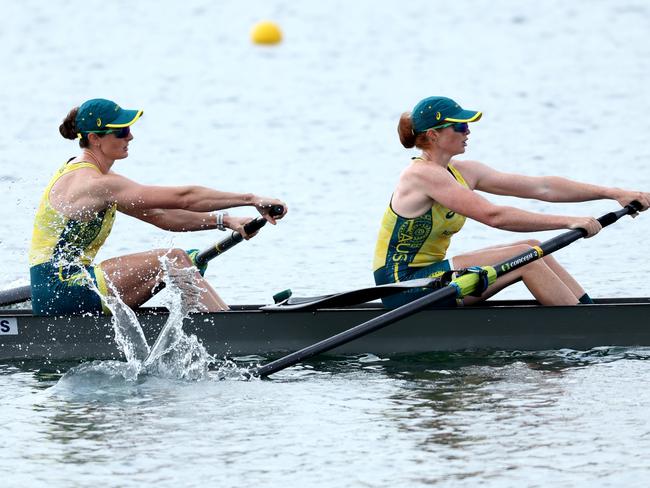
[407, 135]
[68, 128]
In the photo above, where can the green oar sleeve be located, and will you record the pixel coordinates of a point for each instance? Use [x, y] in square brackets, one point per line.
[469, 282]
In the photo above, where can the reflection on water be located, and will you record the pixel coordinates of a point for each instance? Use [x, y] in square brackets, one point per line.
[468, 416]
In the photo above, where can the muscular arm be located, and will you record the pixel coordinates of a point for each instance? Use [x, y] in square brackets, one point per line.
[545, 188]
[83, 193]
[440, 186]
[175, 220]
[129, 195]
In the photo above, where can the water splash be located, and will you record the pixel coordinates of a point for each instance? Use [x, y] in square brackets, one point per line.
[127, 328]
[175, 355]
[128, 332]
[95, 379]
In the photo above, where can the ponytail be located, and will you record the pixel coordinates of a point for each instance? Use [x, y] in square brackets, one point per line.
[405, 130]
[68, 128]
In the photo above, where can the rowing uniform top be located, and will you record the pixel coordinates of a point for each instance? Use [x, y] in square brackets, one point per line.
[416, 242]
[60, 239]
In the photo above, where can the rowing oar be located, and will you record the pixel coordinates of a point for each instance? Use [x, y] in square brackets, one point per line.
[15, 295]
[23, 293]
[458, 288]
[220, 247]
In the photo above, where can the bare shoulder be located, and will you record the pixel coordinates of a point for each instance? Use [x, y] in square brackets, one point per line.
[471, 170]
[467, 165]
[78, 194]
[423, 171]
[75, 181]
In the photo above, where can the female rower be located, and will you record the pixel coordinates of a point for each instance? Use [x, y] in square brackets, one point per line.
[78, 207]
[435, 194]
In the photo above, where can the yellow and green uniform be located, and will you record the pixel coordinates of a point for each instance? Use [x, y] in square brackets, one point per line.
[61, 255]
[411, 248]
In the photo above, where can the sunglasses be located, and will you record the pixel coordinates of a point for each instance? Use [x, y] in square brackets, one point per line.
[461, 127]
[120, 133]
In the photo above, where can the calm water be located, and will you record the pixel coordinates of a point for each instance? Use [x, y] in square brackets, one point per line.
[312, 121]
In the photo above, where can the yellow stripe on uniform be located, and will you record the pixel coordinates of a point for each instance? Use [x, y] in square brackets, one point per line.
[100, 277]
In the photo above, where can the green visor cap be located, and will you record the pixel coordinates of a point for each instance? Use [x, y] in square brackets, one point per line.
[434, 111]
[98, 115]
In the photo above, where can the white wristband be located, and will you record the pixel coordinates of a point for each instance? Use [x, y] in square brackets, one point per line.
[219, 219]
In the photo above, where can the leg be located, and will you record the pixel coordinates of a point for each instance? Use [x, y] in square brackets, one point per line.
[136, 277]
[540, 277]
[552, 263]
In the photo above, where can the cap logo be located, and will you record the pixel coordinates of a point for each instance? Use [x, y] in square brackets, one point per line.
[438, 115]
[99, 122]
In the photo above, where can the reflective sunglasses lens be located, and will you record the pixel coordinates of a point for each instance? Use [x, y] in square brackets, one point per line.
[461, 127]
[122, 133]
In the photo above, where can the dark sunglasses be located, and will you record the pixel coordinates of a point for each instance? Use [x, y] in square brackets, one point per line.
[461, 127]
[120, 133]
[123, 132]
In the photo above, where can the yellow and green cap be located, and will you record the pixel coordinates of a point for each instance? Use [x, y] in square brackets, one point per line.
[434, 111]
[99, 114]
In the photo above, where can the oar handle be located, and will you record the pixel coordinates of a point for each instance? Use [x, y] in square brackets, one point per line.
[235, 237]
[611, 217]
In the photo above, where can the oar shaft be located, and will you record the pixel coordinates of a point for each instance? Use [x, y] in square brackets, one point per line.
[360, 330]
[15, 295]
[235, 237]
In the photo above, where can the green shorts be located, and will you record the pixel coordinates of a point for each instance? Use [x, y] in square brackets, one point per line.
[65, 290]
[384, 276]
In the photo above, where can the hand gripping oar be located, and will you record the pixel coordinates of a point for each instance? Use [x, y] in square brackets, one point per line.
[23, 293]
[458, 288]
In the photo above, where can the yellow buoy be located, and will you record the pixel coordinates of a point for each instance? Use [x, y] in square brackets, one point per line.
[266, 32]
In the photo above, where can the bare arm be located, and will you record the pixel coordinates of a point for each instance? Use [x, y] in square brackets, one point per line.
[184, 200]
[175, 220]
[128, 194]
[179, 208]
[186, 221]
[440, 186]
[545, 188]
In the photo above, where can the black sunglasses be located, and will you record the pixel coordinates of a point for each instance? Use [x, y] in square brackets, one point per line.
[461, 127]
[120, 133]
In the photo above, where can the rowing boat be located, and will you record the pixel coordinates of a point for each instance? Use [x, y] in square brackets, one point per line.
[308, 327]
[247, 330]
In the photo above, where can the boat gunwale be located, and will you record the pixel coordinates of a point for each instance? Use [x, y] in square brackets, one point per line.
[368, 306]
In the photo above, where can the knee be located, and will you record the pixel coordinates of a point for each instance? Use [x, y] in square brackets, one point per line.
[524, 246]
[179, 257]
[530, 243]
